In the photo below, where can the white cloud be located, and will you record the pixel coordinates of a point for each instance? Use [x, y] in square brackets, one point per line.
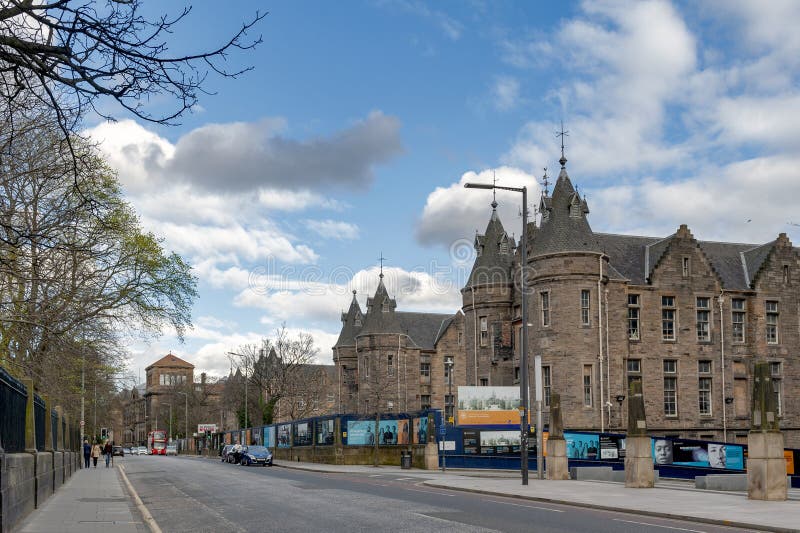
[453, 213]
[506, 93]
[333, 229]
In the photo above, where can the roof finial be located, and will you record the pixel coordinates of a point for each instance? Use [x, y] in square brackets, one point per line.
[494, 191]
[563, 133]
[382, 259]
[545, 181]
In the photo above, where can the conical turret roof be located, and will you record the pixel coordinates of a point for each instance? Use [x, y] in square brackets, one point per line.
[351, 324]
[495, 254]
[380, 317]
[564, 227]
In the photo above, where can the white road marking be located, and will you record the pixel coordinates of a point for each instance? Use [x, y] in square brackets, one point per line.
[659, 525]
[527, 506]
[404, 478]
[148, 518]
[433, 492]
[375, 475]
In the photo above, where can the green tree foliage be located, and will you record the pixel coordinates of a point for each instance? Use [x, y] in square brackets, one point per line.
[76, 277]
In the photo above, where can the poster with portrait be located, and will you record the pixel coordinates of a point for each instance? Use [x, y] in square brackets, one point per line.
[302, 434]
[695, 453]
[269, 437]
[325, 432]
[360, 432]
[403, 432]
[582, 446]
[285, 436]
[388, 432]
[420, 430]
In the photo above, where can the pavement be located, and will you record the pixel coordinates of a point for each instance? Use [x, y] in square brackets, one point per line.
[93, 500]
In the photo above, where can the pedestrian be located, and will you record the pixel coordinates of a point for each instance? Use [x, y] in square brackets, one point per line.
[95, 453]
[87, 452]
[107, 449]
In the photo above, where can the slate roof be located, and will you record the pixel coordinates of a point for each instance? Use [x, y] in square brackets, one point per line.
[347, 337]
[492, 264]
[376, 320]
[443, 327]
[423, 328]
[561, 232]
[635, 257]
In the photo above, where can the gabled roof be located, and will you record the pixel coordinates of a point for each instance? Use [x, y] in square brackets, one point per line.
[565, 228]
[634, 257]
[422, 328]
[171, 361]
[753, 259]
[347, 337]
[443, 327]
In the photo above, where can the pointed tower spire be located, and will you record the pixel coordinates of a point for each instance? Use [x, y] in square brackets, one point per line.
[494, 191]
[563, 133]
[381, 259]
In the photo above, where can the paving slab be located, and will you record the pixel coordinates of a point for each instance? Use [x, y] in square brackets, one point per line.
[92, 500]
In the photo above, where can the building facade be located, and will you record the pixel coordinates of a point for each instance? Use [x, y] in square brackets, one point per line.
[687, 318]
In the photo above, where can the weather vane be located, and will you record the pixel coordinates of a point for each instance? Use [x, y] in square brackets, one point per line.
[545, 181]
[563, 133]
[381, 259]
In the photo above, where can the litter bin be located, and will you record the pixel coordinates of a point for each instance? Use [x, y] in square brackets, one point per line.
[405, 460]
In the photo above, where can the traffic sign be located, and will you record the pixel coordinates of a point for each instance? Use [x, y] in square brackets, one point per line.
[442, 431]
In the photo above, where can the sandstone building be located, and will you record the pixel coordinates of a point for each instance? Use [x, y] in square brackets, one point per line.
[687, 318]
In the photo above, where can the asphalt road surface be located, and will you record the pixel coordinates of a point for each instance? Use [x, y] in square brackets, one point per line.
[193, 494]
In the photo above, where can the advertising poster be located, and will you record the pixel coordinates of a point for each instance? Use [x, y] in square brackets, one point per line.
[499, 442]
[693, 453]
[325, 432]
[608, 447]
[789, 456]
[403, 432]
[302, 434]
[393, 432]
[580, 446]
[360, 432]
[471, 441]
[269, 437]
[488, 406]
[420, 433]
[284, 436]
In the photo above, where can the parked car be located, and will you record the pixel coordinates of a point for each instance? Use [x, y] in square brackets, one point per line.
[172, 449]
[223, 454]
[127, 451]
[117, 450]
[256, 455]
[235, 454]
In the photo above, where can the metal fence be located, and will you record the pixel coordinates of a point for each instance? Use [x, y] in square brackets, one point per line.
[39, 412]
[13, 399]
[54, 428]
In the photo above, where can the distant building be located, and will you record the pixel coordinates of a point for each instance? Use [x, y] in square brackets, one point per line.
[687, 318]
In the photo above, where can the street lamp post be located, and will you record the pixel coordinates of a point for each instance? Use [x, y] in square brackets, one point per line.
[170, 421]
[523, 381]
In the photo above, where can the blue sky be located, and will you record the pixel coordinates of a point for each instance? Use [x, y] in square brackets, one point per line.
[361, 120]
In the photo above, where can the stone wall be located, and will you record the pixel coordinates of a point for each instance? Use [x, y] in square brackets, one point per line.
[27, 480]
[351, 455]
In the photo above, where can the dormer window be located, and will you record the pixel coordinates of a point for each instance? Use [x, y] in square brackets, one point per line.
[357, 321]
[575, 210]
[385, 306]
[504, 246]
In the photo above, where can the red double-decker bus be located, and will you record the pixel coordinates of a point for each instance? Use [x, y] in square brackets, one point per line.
[157, 442]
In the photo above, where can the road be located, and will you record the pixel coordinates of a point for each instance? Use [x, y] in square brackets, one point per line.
[194, 494]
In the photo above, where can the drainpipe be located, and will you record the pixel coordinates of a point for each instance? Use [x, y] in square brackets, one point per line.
[721, 300]
[475, 336]
[600, 341]
[608, 366]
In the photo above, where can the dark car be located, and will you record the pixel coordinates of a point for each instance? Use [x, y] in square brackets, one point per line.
[117, 450]
[224, 453]
[256, 455]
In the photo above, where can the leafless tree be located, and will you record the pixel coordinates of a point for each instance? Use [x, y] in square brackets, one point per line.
[66, 54]
[273, 368]
[375, 389]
